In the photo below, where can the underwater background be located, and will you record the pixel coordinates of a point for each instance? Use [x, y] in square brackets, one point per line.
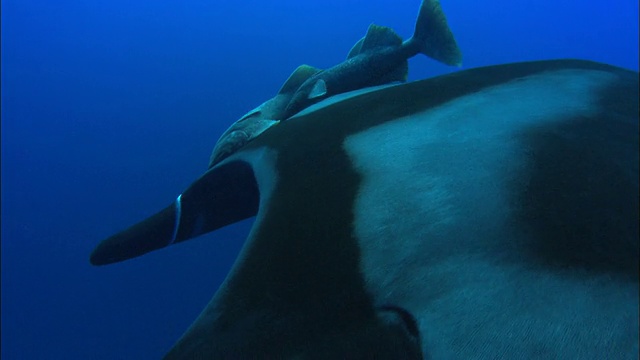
[111, 108]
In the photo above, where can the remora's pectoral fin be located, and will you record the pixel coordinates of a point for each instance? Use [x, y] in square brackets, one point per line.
[319, 89]
[299, 76]
[223, 195]
[355, 50]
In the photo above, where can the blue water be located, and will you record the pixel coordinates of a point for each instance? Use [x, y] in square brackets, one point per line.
[110, 109]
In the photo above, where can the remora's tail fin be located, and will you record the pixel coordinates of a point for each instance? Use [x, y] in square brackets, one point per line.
[432, 35]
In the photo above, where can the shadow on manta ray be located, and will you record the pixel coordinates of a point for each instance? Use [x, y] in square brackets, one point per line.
[489, 213]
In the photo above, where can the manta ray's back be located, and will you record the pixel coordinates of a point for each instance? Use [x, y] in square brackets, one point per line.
[490, 213]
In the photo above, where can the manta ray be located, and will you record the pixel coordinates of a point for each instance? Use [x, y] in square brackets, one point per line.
[378, 58]
[489, 213]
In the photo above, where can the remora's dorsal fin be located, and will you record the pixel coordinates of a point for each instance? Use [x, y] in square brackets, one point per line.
[355, 50]
[299, 75]
[379, 36]
[382, 36]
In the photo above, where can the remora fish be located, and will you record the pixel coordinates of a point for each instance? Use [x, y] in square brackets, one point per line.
[378, 58]
[256, 121]
[381, 57]
[490, 213]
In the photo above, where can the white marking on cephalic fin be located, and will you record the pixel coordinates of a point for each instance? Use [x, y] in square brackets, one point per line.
[176, 225]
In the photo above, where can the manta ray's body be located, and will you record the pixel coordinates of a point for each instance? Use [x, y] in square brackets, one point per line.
[491, 213]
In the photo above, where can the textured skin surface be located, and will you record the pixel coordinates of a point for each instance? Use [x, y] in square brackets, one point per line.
[490, 213]
[498, 207]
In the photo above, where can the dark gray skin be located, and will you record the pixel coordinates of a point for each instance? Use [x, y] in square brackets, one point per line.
[381, 57]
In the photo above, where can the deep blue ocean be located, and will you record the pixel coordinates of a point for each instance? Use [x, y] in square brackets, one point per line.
[111, 108]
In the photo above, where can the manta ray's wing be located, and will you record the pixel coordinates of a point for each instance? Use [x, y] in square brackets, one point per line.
[497, 207]
[490, 213]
